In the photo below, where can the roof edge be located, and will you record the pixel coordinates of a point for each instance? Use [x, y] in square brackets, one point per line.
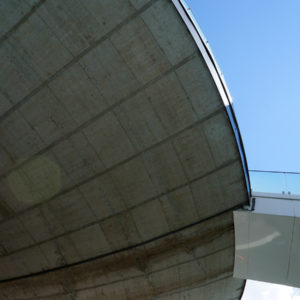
[202, 43]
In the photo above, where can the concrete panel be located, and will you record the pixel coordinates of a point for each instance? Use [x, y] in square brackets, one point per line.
[17, 77]
[232, 180]
[32, 259]
[6, 161]
[171, 104]
[78, 158]
[187, 274]
[90, 242]
[103, 196]
[109, 140]
[121, 231]
[79, 95]
[5, 104]
[139, 50]
[47, 116]
[179, 208]
[8, 197]
[201, 90]
[14, 236]
[110, 74]
[73, 24]
[11, 267]
[134, 266]
[5, 211]
[53, 254]
[134, 183]
[98, 275]
[67, 212]
[150, 219]
[109, 14]
[44, 175]
[66, 246]
[54, 288]
[226, 181]
[18, 191]
[164, 167]
[139, 3]
[142, 124]
[194, 152]
[204, 189]
[40, 47]
[18, 138]
[139, 289]
[12, 12]
[36, 225]
[165, 256]
[63, 181]
[174, 39]
[220, 139]
[33, 2]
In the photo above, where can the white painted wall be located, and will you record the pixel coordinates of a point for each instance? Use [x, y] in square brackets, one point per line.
[268, 244]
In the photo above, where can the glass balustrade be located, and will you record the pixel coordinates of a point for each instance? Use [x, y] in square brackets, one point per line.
[284, 183]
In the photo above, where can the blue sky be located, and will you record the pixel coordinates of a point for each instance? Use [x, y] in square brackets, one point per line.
[257, 45]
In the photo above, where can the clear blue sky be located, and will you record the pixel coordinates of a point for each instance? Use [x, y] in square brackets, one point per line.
[257, 45]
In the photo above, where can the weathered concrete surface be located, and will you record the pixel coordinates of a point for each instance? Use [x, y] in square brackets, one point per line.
[195, 261]
[113, 139]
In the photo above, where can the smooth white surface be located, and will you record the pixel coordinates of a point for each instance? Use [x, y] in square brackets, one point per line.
[267, 247]
[275, 206]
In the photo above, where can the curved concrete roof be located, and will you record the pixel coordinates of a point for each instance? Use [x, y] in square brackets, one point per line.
[119, 164]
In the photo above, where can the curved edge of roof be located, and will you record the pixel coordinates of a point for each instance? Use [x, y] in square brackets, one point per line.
[202, 43]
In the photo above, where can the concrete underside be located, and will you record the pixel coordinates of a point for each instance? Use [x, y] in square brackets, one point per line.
[118, 165]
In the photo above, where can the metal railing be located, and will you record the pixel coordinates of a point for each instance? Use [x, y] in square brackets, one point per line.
[283, 183]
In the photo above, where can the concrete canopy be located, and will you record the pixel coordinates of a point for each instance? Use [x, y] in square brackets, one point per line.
[119, 165]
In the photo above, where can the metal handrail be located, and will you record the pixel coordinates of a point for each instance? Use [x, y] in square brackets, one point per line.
[268, 171]
[278, 182]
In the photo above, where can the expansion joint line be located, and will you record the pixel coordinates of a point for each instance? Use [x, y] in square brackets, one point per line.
[21, 21]
[126, 248]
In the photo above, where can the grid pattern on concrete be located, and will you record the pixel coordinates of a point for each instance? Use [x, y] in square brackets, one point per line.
[195, 261]
[112, 132]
